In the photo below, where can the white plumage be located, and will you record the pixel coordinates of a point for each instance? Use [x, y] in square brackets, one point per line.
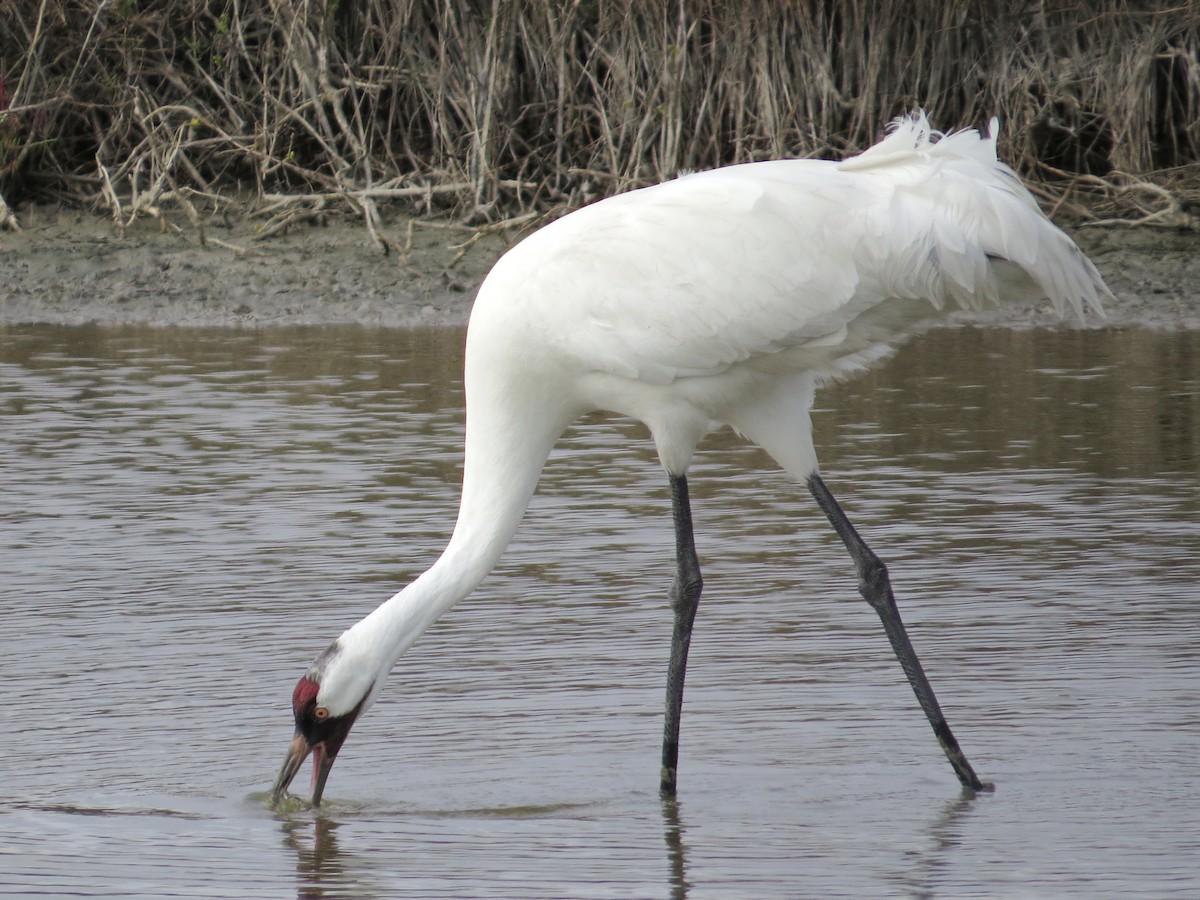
[718, 298]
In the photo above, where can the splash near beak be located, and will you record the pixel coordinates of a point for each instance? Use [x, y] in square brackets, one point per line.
[297, 753]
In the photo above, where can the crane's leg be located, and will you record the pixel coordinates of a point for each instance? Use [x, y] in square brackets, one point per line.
[685, 599]
[876, 588]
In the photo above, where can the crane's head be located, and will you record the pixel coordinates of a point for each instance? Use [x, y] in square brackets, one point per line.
[327, 701]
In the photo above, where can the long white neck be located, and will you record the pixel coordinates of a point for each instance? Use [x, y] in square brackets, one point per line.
[509, 435]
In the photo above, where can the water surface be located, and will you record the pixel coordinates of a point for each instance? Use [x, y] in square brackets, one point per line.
[188, 516]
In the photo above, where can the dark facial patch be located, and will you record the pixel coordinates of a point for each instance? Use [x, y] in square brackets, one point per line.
[328, 730]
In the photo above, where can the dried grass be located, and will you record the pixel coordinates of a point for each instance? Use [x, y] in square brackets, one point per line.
[494, 110]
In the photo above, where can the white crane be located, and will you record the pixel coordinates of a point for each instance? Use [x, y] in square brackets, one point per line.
[719, 298]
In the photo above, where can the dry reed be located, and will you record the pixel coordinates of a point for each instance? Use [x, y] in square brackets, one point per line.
[493, 110]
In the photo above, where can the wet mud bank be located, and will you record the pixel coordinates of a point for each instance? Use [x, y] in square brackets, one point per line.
[68, 267]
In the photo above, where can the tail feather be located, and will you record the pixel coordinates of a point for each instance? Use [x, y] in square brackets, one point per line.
[976, 211]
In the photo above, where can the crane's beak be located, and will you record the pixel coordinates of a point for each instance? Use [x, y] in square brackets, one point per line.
[298, 752]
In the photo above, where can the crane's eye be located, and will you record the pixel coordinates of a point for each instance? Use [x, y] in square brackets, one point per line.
[321, 713]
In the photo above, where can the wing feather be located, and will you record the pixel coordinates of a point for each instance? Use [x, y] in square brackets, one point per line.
[713, 269]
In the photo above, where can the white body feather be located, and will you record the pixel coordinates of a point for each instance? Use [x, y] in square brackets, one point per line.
[723, 297]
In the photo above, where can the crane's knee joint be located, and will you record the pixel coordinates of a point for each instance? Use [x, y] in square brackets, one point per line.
[873, 581]
[685, 591]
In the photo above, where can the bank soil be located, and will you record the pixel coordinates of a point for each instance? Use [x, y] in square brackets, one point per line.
[70, 267]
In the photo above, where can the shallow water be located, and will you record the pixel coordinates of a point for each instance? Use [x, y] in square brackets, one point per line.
[189, 516]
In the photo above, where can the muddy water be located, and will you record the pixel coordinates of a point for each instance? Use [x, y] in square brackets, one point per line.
[187, 516]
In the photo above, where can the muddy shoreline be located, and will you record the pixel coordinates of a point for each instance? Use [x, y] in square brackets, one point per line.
[70, 267]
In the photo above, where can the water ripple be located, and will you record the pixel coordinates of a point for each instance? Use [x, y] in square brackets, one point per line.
[190, 515]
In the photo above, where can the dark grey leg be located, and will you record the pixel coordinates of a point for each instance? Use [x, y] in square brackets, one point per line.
[685, 599]
[876, 588]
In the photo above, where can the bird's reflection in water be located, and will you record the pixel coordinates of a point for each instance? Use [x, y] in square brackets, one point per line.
[922, 880]
[676, 849]
[319, 869]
